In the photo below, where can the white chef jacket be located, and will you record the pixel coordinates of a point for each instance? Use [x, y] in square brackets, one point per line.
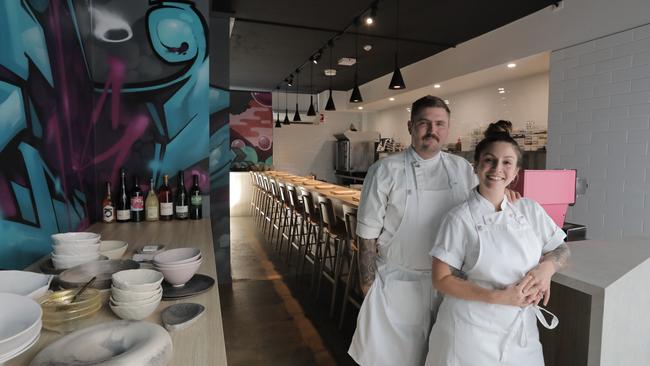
[457, 242]
[383, 199]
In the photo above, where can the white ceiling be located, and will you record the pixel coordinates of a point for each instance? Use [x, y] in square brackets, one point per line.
[525, 67]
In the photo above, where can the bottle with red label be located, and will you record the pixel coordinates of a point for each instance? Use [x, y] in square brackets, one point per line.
[137, 201]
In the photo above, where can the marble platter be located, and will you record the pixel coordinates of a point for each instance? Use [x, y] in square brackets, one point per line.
[117, 343]
[180, 316]
[196, 285]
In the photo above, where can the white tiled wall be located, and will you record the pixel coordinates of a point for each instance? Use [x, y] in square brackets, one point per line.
[599, 124]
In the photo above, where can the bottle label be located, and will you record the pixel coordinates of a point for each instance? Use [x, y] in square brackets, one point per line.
[152, 213]
[196, 200]
[137, 203]
[123, 215]
[109, 213]
[166, 209]
[182, 211]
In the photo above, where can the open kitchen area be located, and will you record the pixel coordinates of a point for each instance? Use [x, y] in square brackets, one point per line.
[365, 182]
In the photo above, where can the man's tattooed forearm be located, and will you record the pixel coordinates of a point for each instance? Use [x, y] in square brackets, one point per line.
[367, 261]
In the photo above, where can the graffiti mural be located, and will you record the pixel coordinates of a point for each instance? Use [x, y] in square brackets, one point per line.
[251, 129]
[88, 87]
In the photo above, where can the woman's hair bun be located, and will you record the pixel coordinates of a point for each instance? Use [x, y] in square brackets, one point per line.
[498, 128]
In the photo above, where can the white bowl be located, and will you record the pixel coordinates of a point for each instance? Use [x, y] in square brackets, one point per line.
[134, 312]
[24, 283]
[177, 256]
[137, 280]
[65, 262]
[113, 249]
[21, 344]
[75, 249]
[180, 275]
[75, 238]
[127, 296]
[144, 302]
[179, 265]
[19, 316]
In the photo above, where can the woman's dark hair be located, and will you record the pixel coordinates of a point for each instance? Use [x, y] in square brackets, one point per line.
[498, 132]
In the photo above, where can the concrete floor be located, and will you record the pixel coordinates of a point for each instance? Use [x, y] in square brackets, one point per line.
[269, 316]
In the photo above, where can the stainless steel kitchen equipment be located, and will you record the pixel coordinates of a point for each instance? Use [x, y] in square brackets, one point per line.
[355, 151]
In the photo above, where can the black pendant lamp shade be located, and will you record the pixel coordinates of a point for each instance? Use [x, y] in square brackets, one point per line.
[330, 101]
[397, 81]
[296, 116]
[312, 110]
[277, 119]
[286, 108]
[355, 97]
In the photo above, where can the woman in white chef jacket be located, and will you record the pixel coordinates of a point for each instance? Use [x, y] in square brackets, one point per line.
[493, 260]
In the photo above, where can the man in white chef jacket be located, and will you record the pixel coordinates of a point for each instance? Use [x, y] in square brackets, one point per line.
[403, 201]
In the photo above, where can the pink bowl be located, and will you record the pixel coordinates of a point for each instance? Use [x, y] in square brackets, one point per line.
[177, 256]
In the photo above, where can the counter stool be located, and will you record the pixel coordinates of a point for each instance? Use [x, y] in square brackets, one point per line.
[314, 228]
[353, 293]
[283, 216]
[297, 228]
[272, 218]
[330, 263]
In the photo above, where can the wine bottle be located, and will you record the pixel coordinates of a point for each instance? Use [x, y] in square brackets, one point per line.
[196, 204]
[151, 203]
[123, 209]
[108, 208]
[181, 206]
[166, 200]
[137, 201]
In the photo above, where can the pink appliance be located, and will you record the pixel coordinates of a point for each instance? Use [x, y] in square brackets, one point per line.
[555, 190]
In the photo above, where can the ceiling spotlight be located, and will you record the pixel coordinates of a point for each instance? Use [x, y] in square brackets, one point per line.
[512, 65]
[437, 86]
[391, 99]
[370, 19]
[367, 47]
[290, 82]
[359, 107]
[502, 91]
[330, 72]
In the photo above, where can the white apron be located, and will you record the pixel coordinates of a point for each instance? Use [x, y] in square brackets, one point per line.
[396, 316]
[471, 333]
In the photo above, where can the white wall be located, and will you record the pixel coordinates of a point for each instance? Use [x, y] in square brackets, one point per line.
[599, 124]
[305, 149]
[526, 99]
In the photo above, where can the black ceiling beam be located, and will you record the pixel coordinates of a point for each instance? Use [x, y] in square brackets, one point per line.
[336, 31]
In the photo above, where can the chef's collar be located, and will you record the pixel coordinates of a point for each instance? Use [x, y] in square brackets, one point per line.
[419, 159]
[487, 204]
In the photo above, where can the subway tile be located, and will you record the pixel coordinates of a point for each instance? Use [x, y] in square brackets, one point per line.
[616, 88]
[593, 80]
[596, 56]
[636, 72]
[580, 49]
[642, 32]
[615, 39]
[630, 123]
[567, 63]
[640, 110]
[631, 98]
[569, 84]
[642, 58]
[641, 84]
[580, 71]
[622, 151]
[608, 137]
[594, 103]
[556, 75]
[607, 114]
[631, 48]
[557, 56]
[578, 116]
[576, 94]
[593, 126]
[614, 64]
[567, 106]
[575, 138]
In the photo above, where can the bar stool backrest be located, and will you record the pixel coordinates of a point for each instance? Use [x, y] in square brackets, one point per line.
[274, 187]
[266, 184]
[308, 203]
[283, 192]
[327, 211]
[293, 196]
[350, 215]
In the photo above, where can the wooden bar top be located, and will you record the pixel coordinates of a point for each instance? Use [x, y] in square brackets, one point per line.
[288, 178]
[203, 342]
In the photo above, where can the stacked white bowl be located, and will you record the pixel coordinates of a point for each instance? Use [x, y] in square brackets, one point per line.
[73, 249]
[178, 265]
[135, 293]
[21, 325]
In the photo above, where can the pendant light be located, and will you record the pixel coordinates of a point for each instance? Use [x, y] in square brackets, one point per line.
[286, 107]
[296, 116]
[277, 111]
[355, 97]
[330, 101]
[397, 81]
[312, 110]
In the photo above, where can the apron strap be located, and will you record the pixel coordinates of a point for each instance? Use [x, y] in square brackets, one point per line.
[518, 328]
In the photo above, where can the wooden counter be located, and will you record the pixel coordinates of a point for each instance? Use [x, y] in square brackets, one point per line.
[201, 344]
[349, 199]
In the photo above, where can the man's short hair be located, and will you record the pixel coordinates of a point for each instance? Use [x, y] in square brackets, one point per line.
[428, 101]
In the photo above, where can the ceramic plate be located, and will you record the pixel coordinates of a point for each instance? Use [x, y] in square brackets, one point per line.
[197, 285]
[30, 284]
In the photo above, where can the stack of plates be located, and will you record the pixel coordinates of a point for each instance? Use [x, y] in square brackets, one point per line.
[21, 325]
[62, 315]
[73, 249]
